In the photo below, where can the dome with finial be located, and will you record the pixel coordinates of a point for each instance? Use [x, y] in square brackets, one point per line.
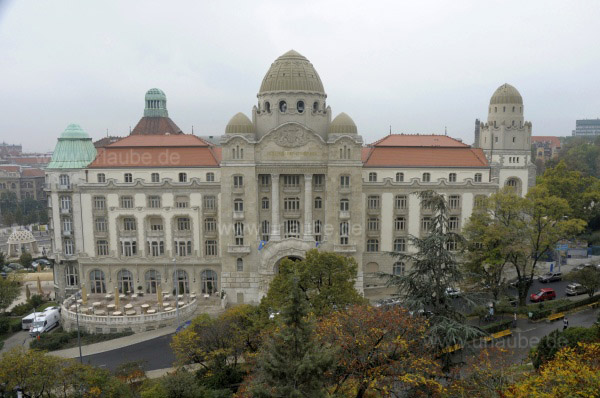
[506, 94]
[292, 72]
[239, 124]
[74, 149]
[343, 124]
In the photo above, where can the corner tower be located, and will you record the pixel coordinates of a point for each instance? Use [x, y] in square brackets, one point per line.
[506, 139]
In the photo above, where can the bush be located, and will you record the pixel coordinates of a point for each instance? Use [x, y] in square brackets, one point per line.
[60, 339]
[36, 300]
[539, 314]
[21, 309]
[4, 325]
[552, 343]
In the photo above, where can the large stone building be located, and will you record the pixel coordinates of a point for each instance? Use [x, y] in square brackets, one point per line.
[286, 180]
[24, 182]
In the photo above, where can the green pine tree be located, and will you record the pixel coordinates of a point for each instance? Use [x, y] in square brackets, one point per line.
[291, 364]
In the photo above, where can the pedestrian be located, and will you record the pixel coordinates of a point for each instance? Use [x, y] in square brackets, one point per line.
[565, 323]
[515, 320]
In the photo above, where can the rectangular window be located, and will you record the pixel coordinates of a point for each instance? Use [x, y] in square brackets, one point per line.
[344, 181]
[291, 181]
[210, 177]
[209, 202]
[238, 181]
[182, 202]
[99, 203]
[318, 181]
[238, 205]
[69, 247]
[265, 180]
[291, 204]
[183, 224]
[373, 224]
[344, 204]
[100, 224]
[344, 230]
[453, 223]
[155, 177]
[400, 202]
[128, 248]
[102, 247]
[400, 245]
[372, 177]
[154, 202]
[478, 177]
[210, 225]
[454, 202]
[65, 203]
[426, 224]
[210, 248]
[373, 245]
[129, 224]
[127, 202]
[183, 248]
[156, 248]
[182, 177]
[452, 177]
[101, 177]
[373, 202]
[400, 224]
[128, 177]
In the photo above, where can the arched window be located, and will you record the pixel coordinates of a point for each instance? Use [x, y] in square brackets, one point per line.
[291, 229]
[399, 177]
[300, 106]
[152, 278]
[315, 106]
[452, 177]
[97, 284]
[426, 177]
[239, 233]
[513, 108]
[478, 177]
[282, 106]
[239, 265]
[125, 281]
[72, 275]
[183, 283]
[268, 106]
[318, 203]
[399, 268]
[208, 279]
[210, 177]
[371, 268]
[372, 177]
[514, 183]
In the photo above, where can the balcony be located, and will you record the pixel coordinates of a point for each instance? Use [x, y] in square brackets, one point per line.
[234, 249]
[127, 233]
[238, 215]
[292, 213]
[318, 188]
[265, 188]
[291, 188]
[344, 189]
[237, 190]
[211, 233]
[209, 210]
[373, 232]
[66, 233]
[344, 215]
[401, 210]
[344, 248]
[65, 210]
[155, 233]
[375, 210]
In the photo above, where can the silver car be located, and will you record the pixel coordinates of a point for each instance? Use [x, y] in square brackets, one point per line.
[574, 289]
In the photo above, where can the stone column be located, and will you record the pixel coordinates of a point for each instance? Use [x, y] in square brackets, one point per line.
[275, 231]
[308, 206]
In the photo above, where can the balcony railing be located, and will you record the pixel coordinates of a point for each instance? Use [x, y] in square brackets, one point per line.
[235, 249]
[344, 215]
[65, 210]
[344, 248]
[238, 215]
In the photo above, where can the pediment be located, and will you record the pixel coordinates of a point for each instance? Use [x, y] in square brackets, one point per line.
[291, 141]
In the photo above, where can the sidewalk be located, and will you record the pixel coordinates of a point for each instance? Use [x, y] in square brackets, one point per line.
[113, 344]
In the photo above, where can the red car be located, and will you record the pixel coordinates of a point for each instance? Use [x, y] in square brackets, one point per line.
[543, 295]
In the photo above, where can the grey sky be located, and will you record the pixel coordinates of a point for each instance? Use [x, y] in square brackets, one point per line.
[415, 65]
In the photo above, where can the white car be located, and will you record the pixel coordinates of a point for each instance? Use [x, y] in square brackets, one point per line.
[453, 291]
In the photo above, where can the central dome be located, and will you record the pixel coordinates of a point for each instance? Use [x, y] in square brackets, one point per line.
[292, 72]
[506, 94]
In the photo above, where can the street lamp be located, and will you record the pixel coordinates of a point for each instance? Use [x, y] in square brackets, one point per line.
[77, 295]
[176, 280]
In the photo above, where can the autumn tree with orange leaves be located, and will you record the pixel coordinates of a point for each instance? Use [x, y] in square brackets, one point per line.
[379, 352]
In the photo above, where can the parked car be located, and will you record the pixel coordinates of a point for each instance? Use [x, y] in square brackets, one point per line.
[582, 266]
[41, 261]
[453, 291]
[574, 289]
[543, 295]
[43, 323]
[15, 266]
[550, 277]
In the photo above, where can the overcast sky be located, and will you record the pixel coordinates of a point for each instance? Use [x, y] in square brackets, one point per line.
[415, 65]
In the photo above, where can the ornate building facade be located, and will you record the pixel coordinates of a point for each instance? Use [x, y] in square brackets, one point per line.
[160, 207]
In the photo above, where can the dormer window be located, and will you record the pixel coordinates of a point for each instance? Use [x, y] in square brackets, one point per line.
[300, 106]
[282, 106]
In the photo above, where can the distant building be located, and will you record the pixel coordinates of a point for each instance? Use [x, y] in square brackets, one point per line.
[106, 141]
[546, 147]
[587, 127]
[25, 182]
[10, 150]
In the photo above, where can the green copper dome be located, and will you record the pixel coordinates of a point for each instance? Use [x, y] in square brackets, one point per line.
[156, 103]
[74, 149]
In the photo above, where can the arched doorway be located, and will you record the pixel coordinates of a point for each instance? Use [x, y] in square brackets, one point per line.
[293, 258]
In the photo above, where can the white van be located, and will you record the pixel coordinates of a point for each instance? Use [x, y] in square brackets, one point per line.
[27, 321]
[49, 319]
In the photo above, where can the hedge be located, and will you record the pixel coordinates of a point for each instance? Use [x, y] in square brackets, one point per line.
[497, 326]
[579, 303]
[539, 314]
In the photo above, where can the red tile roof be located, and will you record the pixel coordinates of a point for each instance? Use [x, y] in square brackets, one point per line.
[42, 159]
[155, 126]
[555, 141]
[425, 157]
[33, 173]
[157, 151]
[418, 140]
[11, 169]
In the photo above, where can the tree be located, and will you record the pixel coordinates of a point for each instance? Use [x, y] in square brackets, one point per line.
[434, 268]
[552, 343]
[291, 363]
[522, 230]
[9, 291]
[380, 351]
[575, 372]
[25, 260]
[587, 277]
[326, 280]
